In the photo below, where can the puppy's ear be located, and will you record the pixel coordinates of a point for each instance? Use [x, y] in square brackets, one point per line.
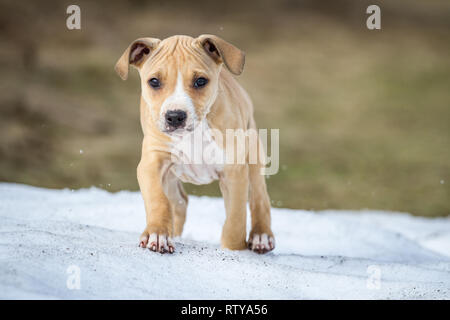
[221, 51]
[136, 54]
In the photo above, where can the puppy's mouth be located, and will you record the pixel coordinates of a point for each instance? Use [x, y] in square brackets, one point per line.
[178, 131]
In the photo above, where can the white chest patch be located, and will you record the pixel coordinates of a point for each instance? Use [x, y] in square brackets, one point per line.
[197, 158]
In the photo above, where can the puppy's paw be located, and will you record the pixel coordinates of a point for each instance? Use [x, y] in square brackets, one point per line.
[261, 243]
[161, 243]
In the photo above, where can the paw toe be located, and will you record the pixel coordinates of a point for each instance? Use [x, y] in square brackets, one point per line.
[158, 243]
[261, 243]
[143, 241]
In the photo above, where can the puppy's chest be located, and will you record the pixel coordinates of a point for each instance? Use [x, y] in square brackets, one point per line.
[196, 157]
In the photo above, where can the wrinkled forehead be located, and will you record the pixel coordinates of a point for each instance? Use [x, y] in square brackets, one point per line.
[178, 54]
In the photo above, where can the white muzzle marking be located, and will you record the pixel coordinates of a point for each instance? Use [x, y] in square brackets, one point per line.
[178, 100]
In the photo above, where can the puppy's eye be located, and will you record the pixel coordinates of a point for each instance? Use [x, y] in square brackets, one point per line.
[154, 83]
[200, 82]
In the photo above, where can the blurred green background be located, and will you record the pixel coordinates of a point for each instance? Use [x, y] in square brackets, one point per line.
[363, 115]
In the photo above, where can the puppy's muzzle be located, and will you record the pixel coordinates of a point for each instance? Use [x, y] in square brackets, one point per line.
[175, 119]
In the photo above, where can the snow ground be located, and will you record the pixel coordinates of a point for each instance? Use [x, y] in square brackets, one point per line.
[319, 255]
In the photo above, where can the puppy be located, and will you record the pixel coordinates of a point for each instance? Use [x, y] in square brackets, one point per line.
[190, 97]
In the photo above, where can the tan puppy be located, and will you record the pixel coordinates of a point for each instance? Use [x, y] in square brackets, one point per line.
[186, 90]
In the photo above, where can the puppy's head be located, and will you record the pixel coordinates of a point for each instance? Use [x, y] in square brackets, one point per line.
[180, 76]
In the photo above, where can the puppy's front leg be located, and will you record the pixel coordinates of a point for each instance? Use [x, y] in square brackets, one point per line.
[150, 172]
[234, 187]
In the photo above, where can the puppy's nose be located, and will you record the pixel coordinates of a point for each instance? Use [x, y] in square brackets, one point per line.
[176, 118]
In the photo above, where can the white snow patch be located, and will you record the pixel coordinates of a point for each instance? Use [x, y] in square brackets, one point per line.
[319, 255]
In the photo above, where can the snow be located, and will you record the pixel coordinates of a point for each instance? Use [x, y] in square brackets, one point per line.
[47, 234]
